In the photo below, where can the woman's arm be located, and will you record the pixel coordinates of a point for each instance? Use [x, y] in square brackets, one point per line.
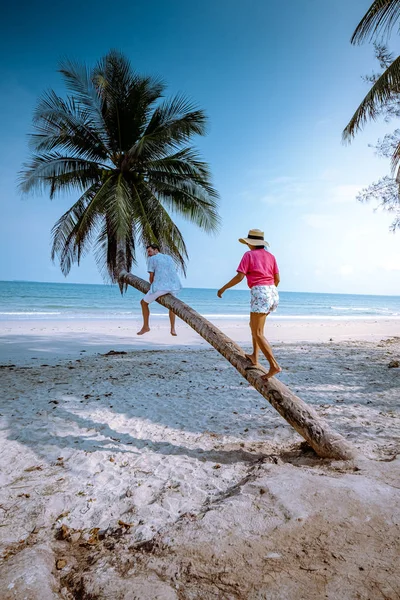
[234, 281]
[276, 279]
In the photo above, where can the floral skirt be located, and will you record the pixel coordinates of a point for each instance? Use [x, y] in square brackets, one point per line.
[264, 299]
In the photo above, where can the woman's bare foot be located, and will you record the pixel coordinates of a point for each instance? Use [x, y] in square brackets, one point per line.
[252, 359]
[143, 330]
[173, 332]
[272, 371]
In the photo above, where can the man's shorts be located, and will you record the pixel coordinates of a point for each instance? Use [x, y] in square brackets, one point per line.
[151, 296]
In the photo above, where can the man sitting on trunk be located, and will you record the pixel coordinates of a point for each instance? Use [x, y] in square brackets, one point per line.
[163, 280]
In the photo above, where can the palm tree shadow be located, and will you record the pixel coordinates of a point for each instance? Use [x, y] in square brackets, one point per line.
[124, 443]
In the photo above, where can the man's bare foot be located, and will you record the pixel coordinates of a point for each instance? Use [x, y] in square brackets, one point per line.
[173, 332]
[252, 359]
[272, 371]
[143, 330]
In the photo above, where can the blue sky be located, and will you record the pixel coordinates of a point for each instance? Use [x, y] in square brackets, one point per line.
[278, 82]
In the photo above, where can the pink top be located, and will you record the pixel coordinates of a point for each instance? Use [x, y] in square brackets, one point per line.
[259, 266]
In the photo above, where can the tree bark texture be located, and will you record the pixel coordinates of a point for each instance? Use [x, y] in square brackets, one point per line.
[325, 442]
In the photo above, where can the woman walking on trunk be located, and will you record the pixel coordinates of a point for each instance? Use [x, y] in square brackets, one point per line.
[261, 270]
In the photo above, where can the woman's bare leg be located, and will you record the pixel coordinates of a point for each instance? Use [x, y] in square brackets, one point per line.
[257, 323]
[256, 348]
[172, 321]
[254, 356]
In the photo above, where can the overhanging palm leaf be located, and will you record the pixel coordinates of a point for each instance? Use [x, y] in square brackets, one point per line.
[385, 88]
[124, 150]
[379, 19]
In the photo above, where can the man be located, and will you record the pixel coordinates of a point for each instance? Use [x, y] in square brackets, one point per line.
[163, 280]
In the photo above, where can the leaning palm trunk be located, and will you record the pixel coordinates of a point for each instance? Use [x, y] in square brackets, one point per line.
[325, 442]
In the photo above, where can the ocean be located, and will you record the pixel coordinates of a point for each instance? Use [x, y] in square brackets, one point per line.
[30, 300]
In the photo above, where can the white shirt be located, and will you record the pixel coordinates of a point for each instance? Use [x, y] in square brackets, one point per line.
[165, 276]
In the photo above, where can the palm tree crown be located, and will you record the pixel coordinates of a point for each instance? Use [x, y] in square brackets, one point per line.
[126, 151]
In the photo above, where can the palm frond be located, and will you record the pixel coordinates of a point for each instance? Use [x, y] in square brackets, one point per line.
[58, 173]
[173, 123]
[378, 20]
[385, 89]
[188, 202]
[105, 251]
[183, 166]
[64, 244]
[64, 124]
[163, 230]
[395, 159]
[114, 202]
[127, 99]
[79, 81]
[73, 233]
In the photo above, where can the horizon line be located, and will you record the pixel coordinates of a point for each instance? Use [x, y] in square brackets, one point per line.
[194, 288]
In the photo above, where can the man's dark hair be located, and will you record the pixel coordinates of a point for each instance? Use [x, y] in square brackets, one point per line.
[154, 246]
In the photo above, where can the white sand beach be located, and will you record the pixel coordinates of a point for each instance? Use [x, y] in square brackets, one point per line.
[157, 472]
[28, 340]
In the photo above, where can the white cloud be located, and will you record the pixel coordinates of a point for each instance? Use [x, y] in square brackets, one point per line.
[317, 221]
[280, 180]
[329, 175]
[344, 194]
[392, 263]
[270, 199]
[322, 122]
[346, 270]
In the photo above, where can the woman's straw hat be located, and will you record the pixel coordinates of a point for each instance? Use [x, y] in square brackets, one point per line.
[254, 238]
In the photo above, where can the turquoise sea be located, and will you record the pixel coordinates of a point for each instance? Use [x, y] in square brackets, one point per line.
[31, 300]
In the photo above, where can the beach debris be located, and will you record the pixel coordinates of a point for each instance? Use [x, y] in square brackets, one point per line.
[62, 515]
[94, 536]
[394, 364]
[33, 468]
[123, 524]
[61, 563]
[63, 532]
[114, 352]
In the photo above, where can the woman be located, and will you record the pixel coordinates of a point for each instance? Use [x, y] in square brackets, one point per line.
[260, 268]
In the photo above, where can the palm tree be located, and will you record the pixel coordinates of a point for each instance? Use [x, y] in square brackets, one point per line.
[126, 151]
[380, 18]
